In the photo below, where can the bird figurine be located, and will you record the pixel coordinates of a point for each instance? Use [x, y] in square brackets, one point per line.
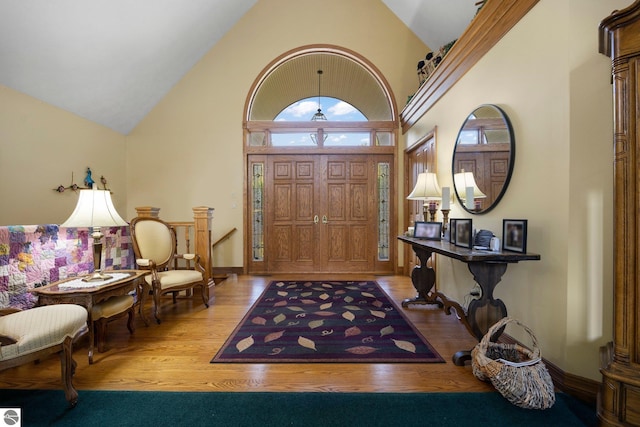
[88, 181]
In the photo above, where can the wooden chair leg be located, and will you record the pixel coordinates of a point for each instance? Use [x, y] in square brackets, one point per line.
[130, 322]
[101, 334]
[68, 369]
[156, 304]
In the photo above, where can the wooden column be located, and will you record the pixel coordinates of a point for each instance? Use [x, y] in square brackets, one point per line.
[619, 396]
[148, 211]
[202, 216]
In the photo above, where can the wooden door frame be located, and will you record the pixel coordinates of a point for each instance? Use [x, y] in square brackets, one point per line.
[261, 267]
[428, 145]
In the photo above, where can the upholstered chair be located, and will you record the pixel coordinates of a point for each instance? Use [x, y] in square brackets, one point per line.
[109, 310]
[31, 335]
[154, 244]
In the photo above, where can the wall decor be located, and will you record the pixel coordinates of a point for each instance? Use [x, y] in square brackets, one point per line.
[464, 234]
[483, 159]
[427, 230]
[88, 182]
[514, 235]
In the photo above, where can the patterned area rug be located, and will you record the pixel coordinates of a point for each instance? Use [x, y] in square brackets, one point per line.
[325, 321]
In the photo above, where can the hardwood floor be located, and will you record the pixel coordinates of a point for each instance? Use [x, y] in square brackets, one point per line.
[175, 355]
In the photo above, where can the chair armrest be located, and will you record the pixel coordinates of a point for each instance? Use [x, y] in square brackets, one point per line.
[142, 262]
[6, 340]
[8, 310]
[191, 257]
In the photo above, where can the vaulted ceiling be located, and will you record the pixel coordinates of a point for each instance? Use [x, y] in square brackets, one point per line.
[112, 61]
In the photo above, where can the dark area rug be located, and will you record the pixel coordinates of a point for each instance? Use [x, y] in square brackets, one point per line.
[326, 321]
[140, 408]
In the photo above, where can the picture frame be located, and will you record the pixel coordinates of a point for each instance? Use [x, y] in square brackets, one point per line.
[427, 230]
[464, 233]
[452, 231]
[514, 235]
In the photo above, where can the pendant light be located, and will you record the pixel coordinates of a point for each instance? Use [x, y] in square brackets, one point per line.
[318, 116]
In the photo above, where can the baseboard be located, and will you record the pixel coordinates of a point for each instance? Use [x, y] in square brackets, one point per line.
[581, 388]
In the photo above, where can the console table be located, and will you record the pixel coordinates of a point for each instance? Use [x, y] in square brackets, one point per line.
[487, 268]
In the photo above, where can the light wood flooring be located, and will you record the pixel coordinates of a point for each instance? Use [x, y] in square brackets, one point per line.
[175, 355]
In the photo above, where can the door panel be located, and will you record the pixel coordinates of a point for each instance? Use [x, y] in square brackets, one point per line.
[290, 202]
[321, 213]
[351, 220]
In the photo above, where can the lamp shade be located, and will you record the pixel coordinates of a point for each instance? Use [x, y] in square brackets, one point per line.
[426, 188]
[464, 180]
[94, 209]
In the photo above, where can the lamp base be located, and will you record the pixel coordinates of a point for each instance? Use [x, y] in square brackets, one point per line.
[96, 276]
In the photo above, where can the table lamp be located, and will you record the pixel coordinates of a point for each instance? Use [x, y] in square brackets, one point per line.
[94, 210]
[427, 189]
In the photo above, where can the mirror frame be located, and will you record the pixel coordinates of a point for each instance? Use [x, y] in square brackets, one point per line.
[512, 155]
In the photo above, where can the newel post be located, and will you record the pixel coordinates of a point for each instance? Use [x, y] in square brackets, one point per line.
[148, 211]
[202, 216]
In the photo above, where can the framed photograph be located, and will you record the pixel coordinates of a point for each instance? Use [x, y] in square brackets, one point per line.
[452, 231]
[514, 235]
[427, 230]
[464, 233]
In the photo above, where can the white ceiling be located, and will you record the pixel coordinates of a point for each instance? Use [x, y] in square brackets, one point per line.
[111, 61]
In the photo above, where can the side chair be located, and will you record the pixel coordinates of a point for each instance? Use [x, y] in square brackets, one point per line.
[155, 246]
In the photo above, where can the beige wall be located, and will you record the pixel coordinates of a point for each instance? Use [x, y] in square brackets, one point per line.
[550, 79]
[40, 147]
[188, 150]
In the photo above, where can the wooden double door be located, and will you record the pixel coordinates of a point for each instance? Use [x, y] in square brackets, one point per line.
[322, 213]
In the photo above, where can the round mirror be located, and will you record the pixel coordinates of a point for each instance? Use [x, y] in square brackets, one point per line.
[483, 159]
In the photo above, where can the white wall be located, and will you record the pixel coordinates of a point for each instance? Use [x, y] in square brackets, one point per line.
[550, 79]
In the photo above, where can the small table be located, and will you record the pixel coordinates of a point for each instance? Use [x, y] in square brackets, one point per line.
[487, 268]
[73, 291]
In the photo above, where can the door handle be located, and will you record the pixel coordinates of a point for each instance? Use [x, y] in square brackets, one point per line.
[315, 219]
[324, 219]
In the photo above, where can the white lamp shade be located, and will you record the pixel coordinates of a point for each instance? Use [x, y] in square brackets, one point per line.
[426, 188]
[94, 209]
[463, 180]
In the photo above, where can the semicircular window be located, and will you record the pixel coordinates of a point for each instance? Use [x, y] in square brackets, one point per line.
[332, 109]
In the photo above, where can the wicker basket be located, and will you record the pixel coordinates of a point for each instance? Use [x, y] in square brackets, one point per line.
[518, 373]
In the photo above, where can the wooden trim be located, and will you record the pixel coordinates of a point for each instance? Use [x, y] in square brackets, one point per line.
[493, 21]
[319, 48]
[264, 125]
[202, 217]
[148, 211]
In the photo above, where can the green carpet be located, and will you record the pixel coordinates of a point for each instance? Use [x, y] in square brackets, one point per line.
[137, 408]
[327, 322]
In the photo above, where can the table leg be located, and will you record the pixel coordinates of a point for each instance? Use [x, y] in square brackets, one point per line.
[424, 280]
[483, 312]
[89, 306]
